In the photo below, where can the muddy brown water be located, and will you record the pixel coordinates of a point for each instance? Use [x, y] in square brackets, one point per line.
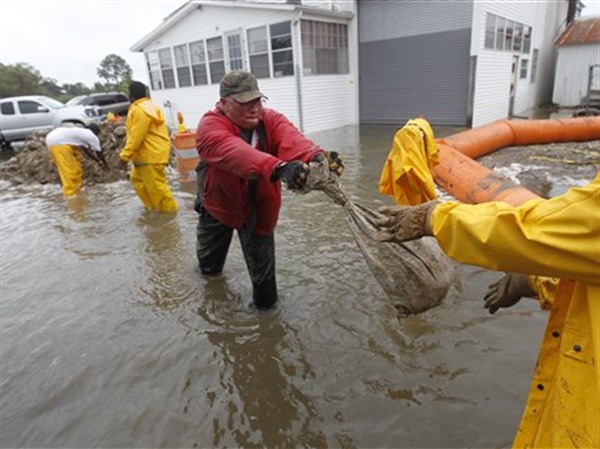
[109, 337]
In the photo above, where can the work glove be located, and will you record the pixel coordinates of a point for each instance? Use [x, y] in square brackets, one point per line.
[507, 291]
[334, 161]
[293, 174]
[403, 223]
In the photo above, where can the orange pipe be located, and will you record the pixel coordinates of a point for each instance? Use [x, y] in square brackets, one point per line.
[469, 182]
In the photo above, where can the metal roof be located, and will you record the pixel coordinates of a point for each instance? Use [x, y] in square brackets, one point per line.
[183, 11]
[580, 32]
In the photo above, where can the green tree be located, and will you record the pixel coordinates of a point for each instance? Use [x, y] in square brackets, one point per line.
[73, 90]
[50, 88]
[19, 79]
[114, 71]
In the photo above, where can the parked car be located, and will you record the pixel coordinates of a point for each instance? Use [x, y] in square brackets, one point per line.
[114, 102]
[20, 116]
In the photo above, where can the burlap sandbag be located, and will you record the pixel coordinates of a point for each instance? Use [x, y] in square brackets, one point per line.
[415, 275]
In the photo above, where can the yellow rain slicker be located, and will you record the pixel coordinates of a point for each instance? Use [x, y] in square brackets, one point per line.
[407, 172]
[148, 147]
[559, 237]
[67, 159]
[150, 184]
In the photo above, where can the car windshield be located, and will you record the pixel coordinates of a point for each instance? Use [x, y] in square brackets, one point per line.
[52, 103]
[75, 100]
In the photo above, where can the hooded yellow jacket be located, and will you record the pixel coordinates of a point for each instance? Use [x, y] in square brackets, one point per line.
[407, 172]
[558, 237]
[147, 134]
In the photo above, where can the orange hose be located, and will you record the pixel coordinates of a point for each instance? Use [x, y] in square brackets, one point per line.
[466, 180]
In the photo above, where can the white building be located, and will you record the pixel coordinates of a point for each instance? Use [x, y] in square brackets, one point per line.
[578, 64]
[305, 59]
[456, 62]
[461, 63]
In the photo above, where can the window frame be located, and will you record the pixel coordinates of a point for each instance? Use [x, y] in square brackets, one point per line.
[534, 63]
[234, 61]
[523, 68]
[253, 54]
[216, 61]
[324, 48]
[166, 55]
[157, 78]
[200, 64]
[185, 66]
[510, 35]
[276, 52]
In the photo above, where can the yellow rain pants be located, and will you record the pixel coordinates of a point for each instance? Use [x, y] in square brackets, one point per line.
[559, 237]
[67, 159]
[150, 184]
[407, 173]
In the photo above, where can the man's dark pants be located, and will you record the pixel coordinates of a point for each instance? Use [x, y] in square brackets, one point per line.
[213, 240]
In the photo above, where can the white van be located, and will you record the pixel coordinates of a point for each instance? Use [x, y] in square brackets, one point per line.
[20, 116]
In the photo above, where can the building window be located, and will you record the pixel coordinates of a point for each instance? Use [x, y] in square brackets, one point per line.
[281, 48]
[234, 51]
[490, 31]
[324, 48]
[534, 63]
[198, 58]
[500, 33]
[216, 61]
[258, 48]
[523, 72]
[508, 36]
[154, 70]
[166, 68]
[526, 39]
[182, 63]
[518, 38]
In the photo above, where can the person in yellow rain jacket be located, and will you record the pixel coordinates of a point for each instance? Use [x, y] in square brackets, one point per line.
[557, 237]
[65, 145]
[148, 147]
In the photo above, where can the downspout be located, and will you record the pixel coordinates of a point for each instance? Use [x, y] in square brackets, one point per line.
[297, 66]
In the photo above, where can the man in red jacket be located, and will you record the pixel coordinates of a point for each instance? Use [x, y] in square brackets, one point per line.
[246, 150]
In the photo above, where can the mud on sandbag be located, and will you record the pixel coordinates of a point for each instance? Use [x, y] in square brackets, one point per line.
[415, 275]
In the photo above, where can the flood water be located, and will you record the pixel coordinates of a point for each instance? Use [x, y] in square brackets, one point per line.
[110, 337]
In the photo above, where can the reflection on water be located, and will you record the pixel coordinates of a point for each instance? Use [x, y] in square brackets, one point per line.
[110, 337]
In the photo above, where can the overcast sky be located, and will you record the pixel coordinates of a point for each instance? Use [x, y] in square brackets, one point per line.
[67, 39]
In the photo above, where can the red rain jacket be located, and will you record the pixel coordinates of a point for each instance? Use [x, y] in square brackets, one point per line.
[231, 162]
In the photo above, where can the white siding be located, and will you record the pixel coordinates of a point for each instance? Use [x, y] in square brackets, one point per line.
[209, 22]
[492, 87]
[212, 21]
[493, 75]
[327, 101]
[572, 72]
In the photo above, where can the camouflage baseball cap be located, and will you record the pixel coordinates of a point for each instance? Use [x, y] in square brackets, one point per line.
[241, 86]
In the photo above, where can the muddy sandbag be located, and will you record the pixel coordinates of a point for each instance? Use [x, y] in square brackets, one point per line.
[415, 275]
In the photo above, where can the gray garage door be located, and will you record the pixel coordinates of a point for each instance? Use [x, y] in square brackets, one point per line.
[409, 76]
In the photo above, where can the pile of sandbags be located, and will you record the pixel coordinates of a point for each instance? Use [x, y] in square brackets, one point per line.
[32, 163]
